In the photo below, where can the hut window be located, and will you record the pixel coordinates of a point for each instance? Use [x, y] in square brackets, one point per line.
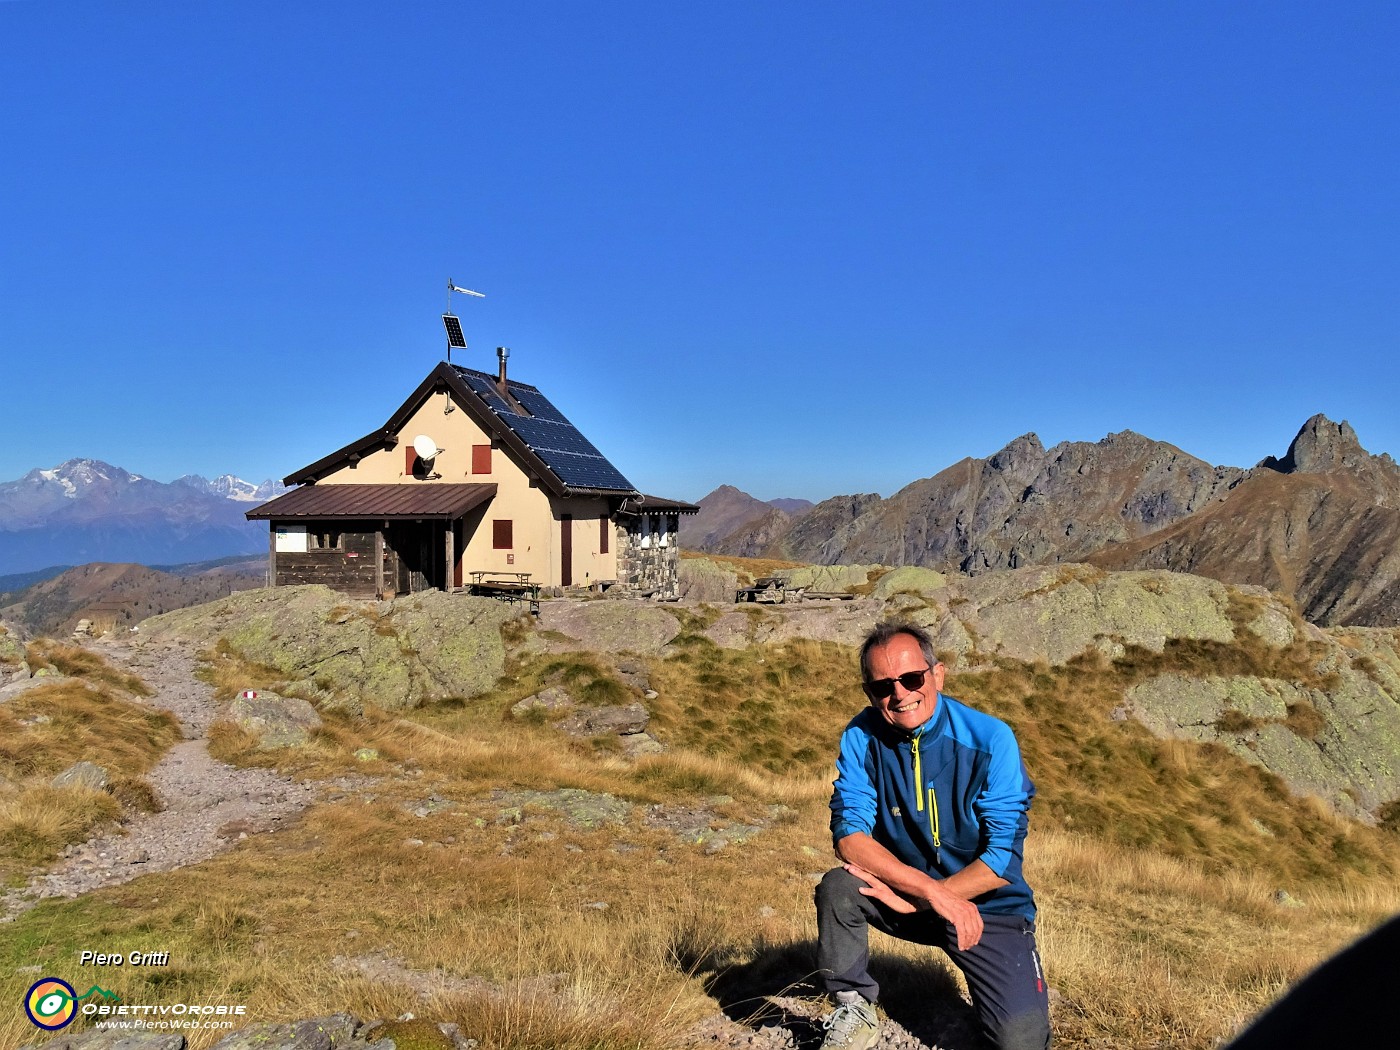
[324, 539]
[501, 538]
[604, 525]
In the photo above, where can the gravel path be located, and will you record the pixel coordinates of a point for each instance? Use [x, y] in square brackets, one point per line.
[208, 805]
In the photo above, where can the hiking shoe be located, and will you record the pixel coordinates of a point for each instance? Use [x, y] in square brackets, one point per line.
[852, 1026]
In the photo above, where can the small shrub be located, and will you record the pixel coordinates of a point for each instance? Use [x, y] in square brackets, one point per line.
[1234, 721]
[1388, 816]
[1305, 720]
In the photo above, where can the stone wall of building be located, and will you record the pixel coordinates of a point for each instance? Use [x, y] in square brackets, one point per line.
[648, 556]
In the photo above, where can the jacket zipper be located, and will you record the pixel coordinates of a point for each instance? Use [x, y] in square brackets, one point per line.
[919, 789]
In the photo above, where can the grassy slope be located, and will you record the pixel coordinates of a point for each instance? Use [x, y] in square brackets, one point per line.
[88, 715]
[1156, 886]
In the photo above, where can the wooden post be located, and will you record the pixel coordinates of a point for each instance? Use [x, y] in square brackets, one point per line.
[379, 563]
[272, 554]
[451, 560]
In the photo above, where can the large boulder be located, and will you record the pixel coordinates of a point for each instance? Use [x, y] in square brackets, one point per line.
[276, 721]
[606, 627]
[846, 622]
[112, 1039]
[909, 579]
[13, 660]
[333, 1032]
[1054, 613]
[338, 651]
[841, 579]
[82, 774]
[702, 580]
[619, 719]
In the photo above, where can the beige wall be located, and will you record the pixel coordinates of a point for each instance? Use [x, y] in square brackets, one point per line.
[535, 517]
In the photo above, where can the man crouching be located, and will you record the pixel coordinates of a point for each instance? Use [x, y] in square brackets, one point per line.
[929, 815]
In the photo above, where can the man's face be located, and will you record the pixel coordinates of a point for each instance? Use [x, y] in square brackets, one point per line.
[904, 709]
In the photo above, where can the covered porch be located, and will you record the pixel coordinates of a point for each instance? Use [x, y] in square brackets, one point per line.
[373, 540]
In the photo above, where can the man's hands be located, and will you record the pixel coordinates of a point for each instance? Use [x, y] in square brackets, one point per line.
[882, 893]
[964, 916]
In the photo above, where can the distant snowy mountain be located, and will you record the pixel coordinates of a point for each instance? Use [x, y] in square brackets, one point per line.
[86, 510]
[234, 488]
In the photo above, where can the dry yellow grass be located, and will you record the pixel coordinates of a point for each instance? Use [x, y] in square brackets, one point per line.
[82, 663]
[650, 931]
[50, 727]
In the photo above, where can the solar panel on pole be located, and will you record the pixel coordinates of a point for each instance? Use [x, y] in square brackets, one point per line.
[455, 338]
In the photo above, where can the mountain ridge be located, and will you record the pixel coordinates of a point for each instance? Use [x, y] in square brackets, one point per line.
[1334, 506]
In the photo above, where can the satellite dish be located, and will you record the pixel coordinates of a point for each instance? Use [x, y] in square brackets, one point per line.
[425, 446]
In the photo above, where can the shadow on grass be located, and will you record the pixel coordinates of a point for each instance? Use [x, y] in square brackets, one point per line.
[766, 985]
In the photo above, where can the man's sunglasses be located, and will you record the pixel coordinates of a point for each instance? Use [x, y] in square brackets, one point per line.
[883, 688]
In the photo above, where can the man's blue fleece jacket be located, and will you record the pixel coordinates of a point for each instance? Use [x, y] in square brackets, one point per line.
[953, 791]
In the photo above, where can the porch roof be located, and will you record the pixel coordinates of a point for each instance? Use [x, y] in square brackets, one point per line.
[390, 502]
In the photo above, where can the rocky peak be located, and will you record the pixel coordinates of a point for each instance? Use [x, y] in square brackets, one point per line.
[1021, 454]
[1322, 445]
[1325, 447]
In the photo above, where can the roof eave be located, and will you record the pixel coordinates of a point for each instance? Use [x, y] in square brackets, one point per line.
[371, 442]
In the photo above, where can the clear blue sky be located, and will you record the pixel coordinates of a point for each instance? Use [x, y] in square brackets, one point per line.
[805, 248]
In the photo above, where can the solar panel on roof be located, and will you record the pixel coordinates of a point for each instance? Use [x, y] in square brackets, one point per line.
[545, 433]
[537, 404]
[565, 451]
[455, 338]
[487, 389]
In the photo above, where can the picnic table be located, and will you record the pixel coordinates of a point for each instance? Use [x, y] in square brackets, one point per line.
[769, 589]
[506, 586]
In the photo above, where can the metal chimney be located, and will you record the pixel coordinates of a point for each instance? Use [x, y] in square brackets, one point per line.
[502, 352]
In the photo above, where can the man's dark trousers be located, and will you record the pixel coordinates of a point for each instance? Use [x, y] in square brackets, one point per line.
[1002, 970]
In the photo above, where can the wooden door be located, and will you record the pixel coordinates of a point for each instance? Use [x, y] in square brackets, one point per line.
[566, 551]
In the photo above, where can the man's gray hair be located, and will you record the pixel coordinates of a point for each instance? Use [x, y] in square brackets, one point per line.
[885, 632]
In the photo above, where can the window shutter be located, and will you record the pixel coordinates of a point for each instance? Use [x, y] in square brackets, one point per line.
[410, 460]
[604, 527]
[501, 538]
[481, 459]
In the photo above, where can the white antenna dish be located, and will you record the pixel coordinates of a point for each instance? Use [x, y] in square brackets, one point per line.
[426, 447]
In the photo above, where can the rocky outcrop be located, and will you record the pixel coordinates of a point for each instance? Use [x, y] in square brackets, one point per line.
[754, 537]
[334, 651]
[1336, 737]
[1055, 613]
[1341, 743]
[606, 626]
